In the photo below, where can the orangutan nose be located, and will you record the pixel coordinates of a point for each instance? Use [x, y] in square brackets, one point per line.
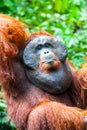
[47, 55]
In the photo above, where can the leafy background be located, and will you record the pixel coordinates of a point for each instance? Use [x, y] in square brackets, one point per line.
[67, 19]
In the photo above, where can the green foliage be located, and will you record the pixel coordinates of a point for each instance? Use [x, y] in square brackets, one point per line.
[67, 19]
[61, 6]
[5, 123]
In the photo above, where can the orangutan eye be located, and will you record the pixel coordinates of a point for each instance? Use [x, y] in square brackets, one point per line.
[39, 47]
[48, 45]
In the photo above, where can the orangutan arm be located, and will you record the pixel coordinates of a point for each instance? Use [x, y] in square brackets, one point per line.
[54, 116]
[82, 75]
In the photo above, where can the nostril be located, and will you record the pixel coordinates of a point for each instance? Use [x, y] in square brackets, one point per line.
[46, 52]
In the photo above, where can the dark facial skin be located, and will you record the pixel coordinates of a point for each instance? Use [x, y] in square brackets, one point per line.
[45, 63]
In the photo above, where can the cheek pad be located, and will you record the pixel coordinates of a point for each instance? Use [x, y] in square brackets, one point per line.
[61, 52]
[29, 57]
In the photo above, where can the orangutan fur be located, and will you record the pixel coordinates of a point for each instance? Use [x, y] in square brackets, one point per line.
[30, 107]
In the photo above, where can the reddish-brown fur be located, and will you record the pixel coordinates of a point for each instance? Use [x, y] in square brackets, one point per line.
[28, 106]
[46, 67]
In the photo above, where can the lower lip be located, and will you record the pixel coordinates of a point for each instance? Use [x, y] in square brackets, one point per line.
[50, 61]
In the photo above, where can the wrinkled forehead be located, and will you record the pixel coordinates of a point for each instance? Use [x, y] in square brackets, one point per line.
[41, 39]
